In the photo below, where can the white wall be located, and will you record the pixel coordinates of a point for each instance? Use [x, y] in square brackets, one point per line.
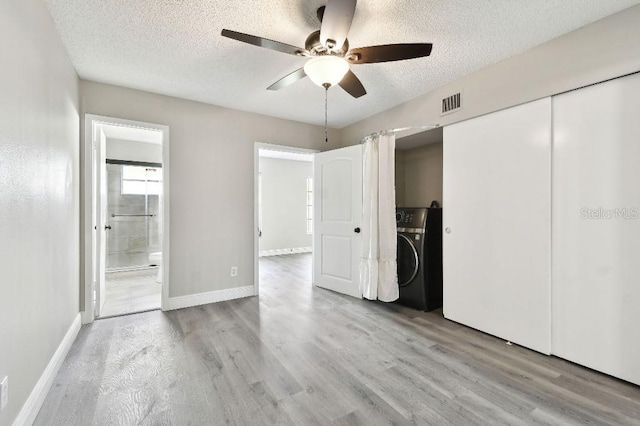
[39, 208]
[419, 175]
[211, 185]
[118, 149]
[284, 204]
[605, 49]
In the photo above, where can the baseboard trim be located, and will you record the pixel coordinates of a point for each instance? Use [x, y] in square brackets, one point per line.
[279, 252]
[209, 297]
[31, 407]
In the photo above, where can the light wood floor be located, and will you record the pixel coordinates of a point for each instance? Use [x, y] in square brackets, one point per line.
[131, 291]
[302, 356]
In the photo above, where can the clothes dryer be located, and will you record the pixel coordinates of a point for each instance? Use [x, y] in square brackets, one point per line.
[419, 257]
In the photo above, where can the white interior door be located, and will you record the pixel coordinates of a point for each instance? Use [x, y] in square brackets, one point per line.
[496, 216]
[596, 227]
[337, 177]
[101, 218]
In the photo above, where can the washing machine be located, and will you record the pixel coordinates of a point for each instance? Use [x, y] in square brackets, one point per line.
[420, 257]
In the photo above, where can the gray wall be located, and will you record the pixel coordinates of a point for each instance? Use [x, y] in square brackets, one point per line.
[419, 176]
[605, 49]
[284, 201]
[39, 208]
[211, 184]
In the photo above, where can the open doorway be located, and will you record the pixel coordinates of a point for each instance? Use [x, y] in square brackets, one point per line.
[419, 187]
[283, 215]
[419, 172]
[133, 270]
[125, 171]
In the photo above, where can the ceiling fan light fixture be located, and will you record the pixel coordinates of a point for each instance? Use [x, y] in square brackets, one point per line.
[326, 70]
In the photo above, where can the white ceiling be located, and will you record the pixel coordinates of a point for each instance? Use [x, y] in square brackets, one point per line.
[174, 47]
[130, 133]
[285, 155]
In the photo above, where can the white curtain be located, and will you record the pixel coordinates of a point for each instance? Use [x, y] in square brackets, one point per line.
[378, 269]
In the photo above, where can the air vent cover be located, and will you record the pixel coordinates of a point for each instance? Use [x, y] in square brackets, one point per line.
[452, 104]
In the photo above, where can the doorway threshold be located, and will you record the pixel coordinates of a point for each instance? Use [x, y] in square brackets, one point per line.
[127, 314]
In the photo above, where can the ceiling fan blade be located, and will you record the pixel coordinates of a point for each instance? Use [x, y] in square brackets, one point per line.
[266, 43]
[352, 85]
[388, 52]
[336, 21]
[289, 79]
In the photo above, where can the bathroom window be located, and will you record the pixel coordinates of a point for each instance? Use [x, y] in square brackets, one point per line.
[140, 180]
[309, 205]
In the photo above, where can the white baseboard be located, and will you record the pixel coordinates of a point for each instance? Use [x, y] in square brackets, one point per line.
[279, 252]
[86, 317]
[209, 297]
[33, 404]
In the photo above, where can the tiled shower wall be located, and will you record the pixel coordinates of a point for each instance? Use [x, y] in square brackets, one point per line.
[131, 239]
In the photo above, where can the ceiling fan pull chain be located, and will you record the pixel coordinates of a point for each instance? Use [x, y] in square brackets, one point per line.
[326, 132]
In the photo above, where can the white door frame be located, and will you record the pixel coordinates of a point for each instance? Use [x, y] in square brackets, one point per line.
[99, 206]
[257, 146]
[90, 120]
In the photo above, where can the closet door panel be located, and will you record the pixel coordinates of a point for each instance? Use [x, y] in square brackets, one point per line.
[496, 205]
[596, 227]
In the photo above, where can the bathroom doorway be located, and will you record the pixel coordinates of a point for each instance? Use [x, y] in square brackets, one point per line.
[133, 272]
[283, 215]
[129, 245]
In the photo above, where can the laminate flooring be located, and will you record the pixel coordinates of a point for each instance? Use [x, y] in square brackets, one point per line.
[300, 355]
[131, 291]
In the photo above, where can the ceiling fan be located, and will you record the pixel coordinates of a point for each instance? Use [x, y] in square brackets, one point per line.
[328, 50]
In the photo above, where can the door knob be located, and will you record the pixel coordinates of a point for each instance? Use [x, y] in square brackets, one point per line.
[357, 230]
[447, 230]
[107, 227]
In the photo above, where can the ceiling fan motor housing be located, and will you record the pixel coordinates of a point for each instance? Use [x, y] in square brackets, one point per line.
[313, 45]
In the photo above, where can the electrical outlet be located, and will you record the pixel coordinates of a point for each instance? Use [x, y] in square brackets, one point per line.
[4, 393]
[234, 271]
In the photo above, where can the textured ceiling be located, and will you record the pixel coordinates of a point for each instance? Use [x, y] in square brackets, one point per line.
[174, 47]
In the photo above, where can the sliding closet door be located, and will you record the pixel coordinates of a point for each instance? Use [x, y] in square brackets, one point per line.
[496, 208]
[596, 227]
